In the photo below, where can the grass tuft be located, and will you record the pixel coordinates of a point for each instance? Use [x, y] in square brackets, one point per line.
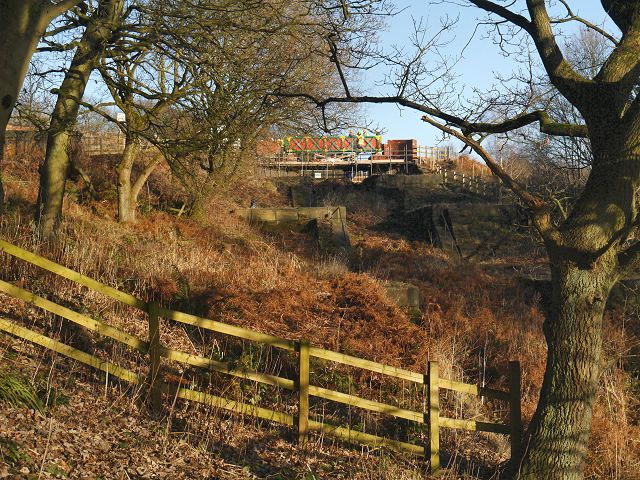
[17, 391]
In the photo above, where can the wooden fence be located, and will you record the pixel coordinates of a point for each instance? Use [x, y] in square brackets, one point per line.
[20, 142]
[302, 385]
[432, 156]
[475, 184]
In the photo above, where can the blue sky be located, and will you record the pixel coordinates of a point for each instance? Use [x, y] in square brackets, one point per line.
[480, 60]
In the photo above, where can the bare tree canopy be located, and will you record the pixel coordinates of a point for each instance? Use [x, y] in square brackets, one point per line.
[216, 65]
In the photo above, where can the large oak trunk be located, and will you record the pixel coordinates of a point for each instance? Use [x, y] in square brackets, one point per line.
[585, 264]
[592, 248]
[558, 436]
[1, 158]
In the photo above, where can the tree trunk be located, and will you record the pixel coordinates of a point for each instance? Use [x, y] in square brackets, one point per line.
[197, 210]
[53, 177]
[127, 192]
[2, 135]
[585, 264]
[53, 173]
[126, 204]
[558, 435]
[199, 193]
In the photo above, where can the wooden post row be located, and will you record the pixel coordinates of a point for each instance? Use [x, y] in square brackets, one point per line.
[434, 418]
[155, 394]
[303, 400]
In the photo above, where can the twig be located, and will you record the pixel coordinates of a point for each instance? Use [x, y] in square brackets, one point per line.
[46, 449]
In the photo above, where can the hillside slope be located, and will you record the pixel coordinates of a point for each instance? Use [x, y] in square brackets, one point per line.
[475, 318]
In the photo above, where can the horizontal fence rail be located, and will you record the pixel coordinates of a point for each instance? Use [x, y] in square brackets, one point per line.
[302, 384]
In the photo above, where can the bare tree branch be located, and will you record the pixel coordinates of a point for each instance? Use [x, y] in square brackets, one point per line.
[538, 210]
[573, 17]
[54, 9]
[546, 125]
[334, 58]
[505, 13]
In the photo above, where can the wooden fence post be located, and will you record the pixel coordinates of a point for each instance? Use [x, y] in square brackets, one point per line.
[515, 415]
[303, 401]
[155, 394]
[434, 419]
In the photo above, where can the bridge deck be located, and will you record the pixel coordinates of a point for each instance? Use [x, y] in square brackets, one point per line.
[332, 163]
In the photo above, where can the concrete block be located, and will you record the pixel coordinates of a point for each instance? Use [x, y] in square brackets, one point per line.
[257, 215]
[403, 294]
[312, 213]
[286, 214]
[278, 219]
[270, 186]
[404, 181]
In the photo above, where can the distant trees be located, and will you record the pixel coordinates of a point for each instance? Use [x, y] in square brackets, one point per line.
[238, 73]
[194, 78]
[32, 107]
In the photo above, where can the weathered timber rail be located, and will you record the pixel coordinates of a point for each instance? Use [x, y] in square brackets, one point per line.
[154, 349]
